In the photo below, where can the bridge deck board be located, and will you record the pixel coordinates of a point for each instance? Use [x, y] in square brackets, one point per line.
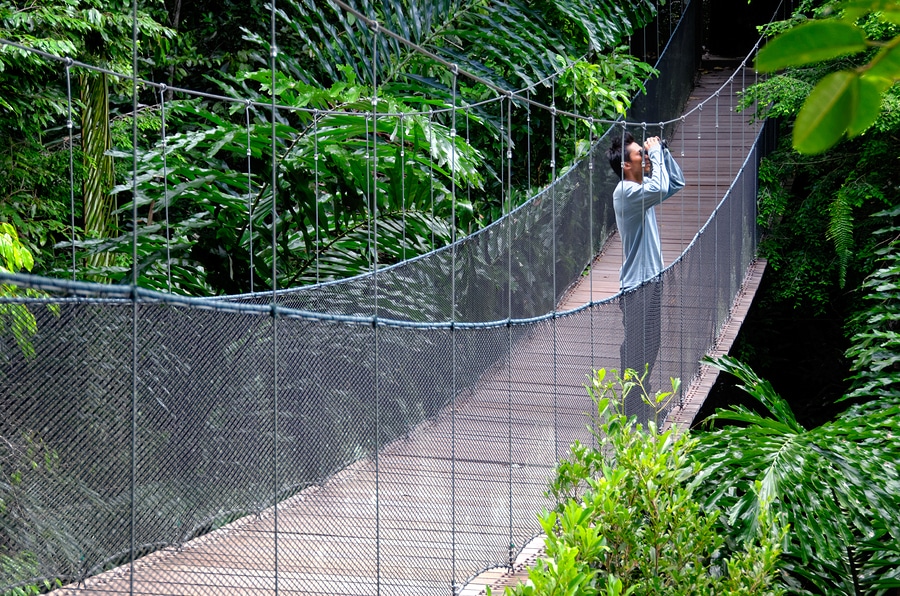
[363, 532]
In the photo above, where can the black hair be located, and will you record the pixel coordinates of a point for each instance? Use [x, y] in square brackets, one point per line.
[614, 153]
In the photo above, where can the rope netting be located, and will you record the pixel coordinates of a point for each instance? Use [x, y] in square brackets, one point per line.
[391, 432]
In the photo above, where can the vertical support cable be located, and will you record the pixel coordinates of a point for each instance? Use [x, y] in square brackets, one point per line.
[743, 128]
[592, 309]
[402, 125]
[69, 127]
[134, 295]
[591, 229]
[453, 249]
[682, 285]
[716, 177]
[505, 203]
[684, 241]
[274, 57]
[468, 144]
[716, 280]
[661, 287]
[316, 183]
[528, 133]
[249, 194]
[730, 176]
[624, 304]
[370, 207]
[431, 170]
[702, 292]
[509, 222]
[699, 160]
[553, 261]
[733, 102]
[374, 199]
[575, 120]
[162, 113]
[644, 41]
[644, 158]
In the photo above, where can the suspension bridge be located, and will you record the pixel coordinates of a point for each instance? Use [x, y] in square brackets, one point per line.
[393, 433]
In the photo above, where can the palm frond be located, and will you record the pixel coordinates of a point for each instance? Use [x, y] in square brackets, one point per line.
[505, 41]
[761, 389]
[875, 351]
[838, 485]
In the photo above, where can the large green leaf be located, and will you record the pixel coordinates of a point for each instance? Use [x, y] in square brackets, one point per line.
[886, 64]
[868, 106]
[827, 113]
[811, 42]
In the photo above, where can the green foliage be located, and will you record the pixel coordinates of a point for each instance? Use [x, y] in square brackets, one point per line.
[817, 211]
[34, 192]
[15, 318]
[627, 520]
[847, 101]
[327, 205]
[19, 570]
[197, 237]
[836, 485]
[21, 458]
[875, 349]
[509, 42]
[602, 88]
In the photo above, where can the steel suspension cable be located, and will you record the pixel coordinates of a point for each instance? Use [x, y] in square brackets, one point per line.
[69, 128]
[375, 329]
[402, 125]
[162, 112]
[593, 307]
[134, 301]
[273, 54]
[316, 185]
[528, 136]
[716, 281]
[512, 544]
[431, 173]
[453, 389]
[681, 286]
[249, 197]
[553, 264]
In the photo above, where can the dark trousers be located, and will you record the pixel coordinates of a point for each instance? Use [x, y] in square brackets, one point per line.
[641, 319]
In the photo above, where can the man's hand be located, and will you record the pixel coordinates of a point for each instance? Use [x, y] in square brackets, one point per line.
[651, 142]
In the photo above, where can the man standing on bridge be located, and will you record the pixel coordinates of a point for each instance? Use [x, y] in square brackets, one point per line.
[648, 176]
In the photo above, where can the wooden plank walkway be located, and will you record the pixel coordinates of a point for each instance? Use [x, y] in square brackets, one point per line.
[432, 514]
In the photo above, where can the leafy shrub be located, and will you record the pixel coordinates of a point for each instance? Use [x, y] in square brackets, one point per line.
[627, 520]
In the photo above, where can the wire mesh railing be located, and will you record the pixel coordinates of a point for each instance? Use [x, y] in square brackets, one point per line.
[384, 434]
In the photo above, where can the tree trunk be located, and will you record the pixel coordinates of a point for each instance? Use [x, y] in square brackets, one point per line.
[99, 175]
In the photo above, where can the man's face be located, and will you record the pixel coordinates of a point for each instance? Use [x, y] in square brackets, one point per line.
[637, 163]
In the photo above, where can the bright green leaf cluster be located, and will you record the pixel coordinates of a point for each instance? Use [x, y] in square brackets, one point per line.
[16, 318]
[627, 520]
[847, 101]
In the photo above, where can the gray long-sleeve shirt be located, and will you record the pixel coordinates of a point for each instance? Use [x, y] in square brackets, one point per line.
[636, 217]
